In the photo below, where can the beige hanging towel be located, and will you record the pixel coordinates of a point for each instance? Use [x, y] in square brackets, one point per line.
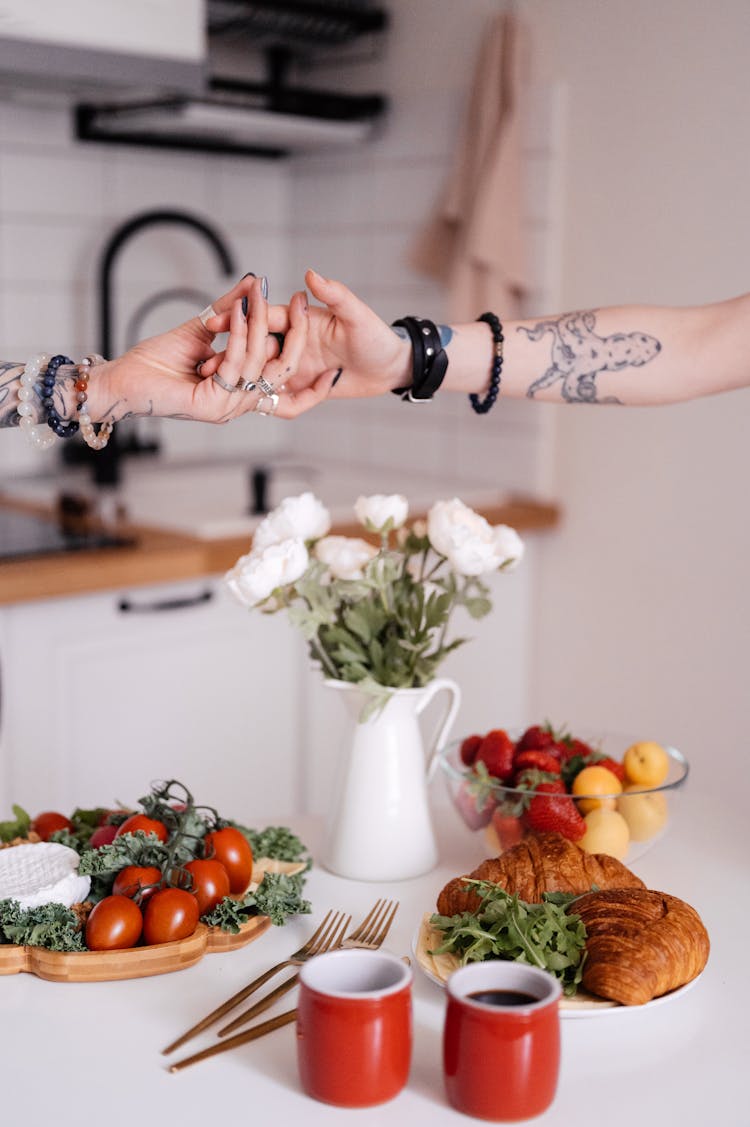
[474, 243]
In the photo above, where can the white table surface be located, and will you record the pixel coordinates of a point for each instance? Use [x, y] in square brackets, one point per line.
[90, 1053]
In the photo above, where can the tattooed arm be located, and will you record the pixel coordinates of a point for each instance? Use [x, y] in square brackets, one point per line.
[633, 355]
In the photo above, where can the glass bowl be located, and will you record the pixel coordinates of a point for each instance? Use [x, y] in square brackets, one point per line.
[499, 814]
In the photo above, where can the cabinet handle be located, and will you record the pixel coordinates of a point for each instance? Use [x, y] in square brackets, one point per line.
[127, 606]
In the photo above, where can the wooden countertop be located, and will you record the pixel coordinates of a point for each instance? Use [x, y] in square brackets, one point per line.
[162, 557]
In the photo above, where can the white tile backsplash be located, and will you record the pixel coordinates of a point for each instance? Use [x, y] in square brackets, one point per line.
[36, 182]
[351, 215]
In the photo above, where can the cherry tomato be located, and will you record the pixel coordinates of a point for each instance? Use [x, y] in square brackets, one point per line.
[104, 835]
[131, 881]
[46, 824]
[141, 822]
[114, 924]
[210, 883]
[171, 913]
[233, 850]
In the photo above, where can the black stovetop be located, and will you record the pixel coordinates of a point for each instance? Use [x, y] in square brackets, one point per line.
[28, 535]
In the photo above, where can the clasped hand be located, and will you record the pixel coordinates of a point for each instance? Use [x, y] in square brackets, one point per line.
[172, 375]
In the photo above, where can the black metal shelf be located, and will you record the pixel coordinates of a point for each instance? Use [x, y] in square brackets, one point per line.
[295, 23]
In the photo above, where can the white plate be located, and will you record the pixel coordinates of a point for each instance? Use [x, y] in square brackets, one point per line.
[583, 1004]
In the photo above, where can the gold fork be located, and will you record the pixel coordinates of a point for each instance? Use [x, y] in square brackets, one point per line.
[327, 934]
[370, 935]
[374, 928]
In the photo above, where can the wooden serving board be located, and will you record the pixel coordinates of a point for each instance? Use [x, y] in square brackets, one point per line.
[136, 962]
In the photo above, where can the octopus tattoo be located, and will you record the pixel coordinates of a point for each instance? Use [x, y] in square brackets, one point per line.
[579, 354]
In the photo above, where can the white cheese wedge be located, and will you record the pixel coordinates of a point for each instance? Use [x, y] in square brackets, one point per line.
[43, 872]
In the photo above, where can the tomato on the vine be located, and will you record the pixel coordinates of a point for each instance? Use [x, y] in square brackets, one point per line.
[171, 913]
[133, 879]
[114, 924]
[141, 822]
[49, 822]
[232, 848]
[210, 883]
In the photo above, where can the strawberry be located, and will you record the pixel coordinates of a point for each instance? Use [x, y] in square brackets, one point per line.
[508, 827]
[579, 747]
[612, 765]
[538, 760]
[475, 809]
[532, 778]
[496, 752]
[536, 738]
[551, 812]
[469, 749]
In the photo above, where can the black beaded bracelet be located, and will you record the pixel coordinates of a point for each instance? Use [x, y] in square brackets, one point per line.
[482, 406]
[429, 359]
[52, 418]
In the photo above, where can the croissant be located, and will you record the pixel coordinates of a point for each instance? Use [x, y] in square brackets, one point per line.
[640, 944]
[540, 863]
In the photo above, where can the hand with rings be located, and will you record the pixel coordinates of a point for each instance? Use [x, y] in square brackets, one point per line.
[258, 366]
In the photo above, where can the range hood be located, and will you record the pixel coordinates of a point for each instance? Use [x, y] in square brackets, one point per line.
[236, 113]
[253, 119]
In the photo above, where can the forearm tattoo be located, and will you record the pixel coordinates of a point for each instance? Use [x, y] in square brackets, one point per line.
[10, 382]
[579, 355]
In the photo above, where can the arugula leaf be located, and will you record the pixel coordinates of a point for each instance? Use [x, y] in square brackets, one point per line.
[50, 925]
[17, 827]
[544, 935]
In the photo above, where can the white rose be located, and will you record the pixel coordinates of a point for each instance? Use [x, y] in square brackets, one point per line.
[255, 577]
[468, 541]
[296, 518]
[344, 556]
[509, 545]
[377, 511]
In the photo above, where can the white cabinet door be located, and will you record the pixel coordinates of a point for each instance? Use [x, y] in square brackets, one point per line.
[102, 694]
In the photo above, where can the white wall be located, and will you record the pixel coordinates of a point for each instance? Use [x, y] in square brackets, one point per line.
[643, 617]
[355, 215]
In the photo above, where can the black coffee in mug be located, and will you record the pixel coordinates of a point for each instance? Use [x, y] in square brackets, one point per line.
[503, 997]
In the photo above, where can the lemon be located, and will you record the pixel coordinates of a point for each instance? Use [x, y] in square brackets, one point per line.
[599, 781]
[606, 832]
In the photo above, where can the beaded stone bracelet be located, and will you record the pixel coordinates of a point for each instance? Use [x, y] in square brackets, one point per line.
[37, 433]
[54, 422]
[482, 406]
[45, 368]
[94, 440]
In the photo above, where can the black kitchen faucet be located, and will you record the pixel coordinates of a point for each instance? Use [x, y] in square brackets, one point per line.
[106, 463]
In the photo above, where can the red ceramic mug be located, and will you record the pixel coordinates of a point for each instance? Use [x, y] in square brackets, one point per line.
[501, 1041]
[354, 1027]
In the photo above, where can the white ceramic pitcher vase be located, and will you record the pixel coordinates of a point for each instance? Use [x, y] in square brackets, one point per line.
[381, 828]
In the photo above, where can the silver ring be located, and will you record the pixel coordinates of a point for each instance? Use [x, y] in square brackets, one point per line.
[274, 400]
[266, 387]
[223, 383]
[209, 311]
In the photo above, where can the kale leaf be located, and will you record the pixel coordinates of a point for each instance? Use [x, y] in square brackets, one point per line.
[50, 925]
[278, 896]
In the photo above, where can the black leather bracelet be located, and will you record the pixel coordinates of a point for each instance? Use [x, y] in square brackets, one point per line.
[482, 406]
[429, 360]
